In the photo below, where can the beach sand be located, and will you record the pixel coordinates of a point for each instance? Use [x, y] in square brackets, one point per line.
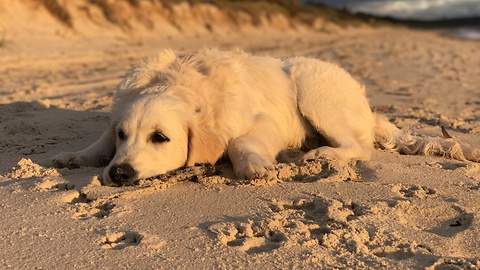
[392, 212]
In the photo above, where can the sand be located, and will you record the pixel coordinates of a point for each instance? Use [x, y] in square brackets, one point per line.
[392, 212]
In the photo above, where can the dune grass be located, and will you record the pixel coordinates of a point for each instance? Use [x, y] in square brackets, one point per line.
[58, 11]
[292, 8]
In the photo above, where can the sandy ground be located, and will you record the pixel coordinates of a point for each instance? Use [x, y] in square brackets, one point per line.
[399, 212]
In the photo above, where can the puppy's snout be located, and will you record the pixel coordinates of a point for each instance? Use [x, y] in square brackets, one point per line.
[122, 174]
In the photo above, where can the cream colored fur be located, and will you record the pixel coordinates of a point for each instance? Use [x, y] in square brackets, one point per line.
[213, 103]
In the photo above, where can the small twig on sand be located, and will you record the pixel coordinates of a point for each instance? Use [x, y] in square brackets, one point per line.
[445, 133]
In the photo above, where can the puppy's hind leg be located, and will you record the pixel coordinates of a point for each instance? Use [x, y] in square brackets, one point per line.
[336, 107]
[96, 155]
[254, 153]
[350, 136]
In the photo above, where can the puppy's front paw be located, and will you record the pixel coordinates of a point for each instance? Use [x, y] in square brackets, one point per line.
[318, 153]
[254, 166]
[70, 160]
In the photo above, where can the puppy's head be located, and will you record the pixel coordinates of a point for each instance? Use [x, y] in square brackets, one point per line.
[157, 133]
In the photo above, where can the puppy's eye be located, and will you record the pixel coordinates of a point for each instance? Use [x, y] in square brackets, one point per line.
[121, 135]
[158, 137]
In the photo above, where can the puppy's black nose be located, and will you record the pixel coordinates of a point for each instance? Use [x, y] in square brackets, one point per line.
[122, 174]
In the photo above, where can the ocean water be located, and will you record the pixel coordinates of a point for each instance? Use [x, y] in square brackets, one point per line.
[472, 33]
[426, 10]
[411, 9]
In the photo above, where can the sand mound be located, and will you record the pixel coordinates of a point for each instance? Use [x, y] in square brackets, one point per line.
[27, 169]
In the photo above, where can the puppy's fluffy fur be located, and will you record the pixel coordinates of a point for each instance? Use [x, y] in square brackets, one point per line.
[174, 111]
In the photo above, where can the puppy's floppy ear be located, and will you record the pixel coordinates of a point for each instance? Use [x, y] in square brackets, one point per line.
[203, 146]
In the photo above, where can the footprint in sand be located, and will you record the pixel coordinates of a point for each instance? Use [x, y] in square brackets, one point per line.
[414, 191]
[117, 240]
[85, 209]
[302, 222]
[251, 236]
[318, 224]
[455, 225]
[120, 240]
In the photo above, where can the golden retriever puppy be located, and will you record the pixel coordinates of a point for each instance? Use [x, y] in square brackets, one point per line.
[174, 111]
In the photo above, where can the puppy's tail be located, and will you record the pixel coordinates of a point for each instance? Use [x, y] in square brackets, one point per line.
[388, 136]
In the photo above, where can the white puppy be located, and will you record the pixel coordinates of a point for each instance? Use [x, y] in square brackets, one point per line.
[175, 111]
